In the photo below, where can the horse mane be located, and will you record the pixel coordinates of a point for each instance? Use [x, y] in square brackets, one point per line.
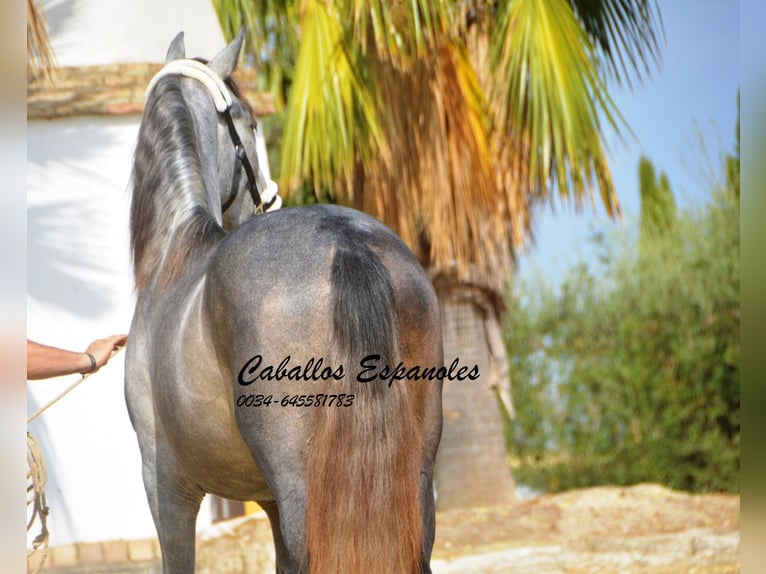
[169, 221]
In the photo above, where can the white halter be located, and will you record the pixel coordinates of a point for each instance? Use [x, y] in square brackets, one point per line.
[200, 72]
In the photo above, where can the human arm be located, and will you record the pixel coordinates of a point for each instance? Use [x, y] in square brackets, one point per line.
[44, 362]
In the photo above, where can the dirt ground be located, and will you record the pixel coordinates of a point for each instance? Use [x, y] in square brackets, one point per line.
[645, 529]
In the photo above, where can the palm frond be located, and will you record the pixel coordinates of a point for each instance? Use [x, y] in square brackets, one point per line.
[399, 32]
[40, 56]
[439, 190]
[331, 119]
[551, 94]
[628, 33]
[273, 30]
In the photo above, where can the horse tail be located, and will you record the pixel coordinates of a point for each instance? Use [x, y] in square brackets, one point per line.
[363, 510]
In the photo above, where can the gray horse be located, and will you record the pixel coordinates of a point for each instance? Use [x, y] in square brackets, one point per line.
[292, 358]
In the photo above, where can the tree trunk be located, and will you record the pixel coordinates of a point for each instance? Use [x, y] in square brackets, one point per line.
[471, 466]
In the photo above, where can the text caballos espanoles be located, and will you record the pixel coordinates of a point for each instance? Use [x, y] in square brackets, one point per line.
[370, 370]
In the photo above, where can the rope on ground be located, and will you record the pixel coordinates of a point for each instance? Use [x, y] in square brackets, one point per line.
[38, 476]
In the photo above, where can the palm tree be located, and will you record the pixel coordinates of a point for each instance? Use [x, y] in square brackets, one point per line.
[452, 121]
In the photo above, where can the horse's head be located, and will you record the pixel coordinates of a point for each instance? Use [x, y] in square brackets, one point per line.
[225, 130]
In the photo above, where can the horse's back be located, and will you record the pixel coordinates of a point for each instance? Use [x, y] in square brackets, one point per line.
[300, 238]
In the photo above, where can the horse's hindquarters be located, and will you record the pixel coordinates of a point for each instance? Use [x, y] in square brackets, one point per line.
[300, 298]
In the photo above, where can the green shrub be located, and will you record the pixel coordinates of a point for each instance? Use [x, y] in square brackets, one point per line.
[631, 373]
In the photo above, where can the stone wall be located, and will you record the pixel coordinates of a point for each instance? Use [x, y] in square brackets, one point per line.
[128, 556]
[238, 545]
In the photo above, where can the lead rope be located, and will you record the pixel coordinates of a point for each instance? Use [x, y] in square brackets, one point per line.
[36, 497]
[68, 390]
[37, 478]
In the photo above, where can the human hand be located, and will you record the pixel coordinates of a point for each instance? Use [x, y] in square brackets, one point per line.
[102, 349]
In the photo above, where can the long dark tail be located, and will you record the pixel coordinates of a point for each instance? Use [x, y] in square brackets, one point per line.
[363, 512]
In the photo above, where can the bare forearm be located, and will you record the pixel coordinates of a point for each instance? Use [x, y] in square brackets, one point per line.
[44, 362]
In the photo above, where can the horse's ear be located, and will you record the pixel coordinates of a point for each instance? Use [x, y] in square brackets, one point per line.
[224, 62]
[177, 49]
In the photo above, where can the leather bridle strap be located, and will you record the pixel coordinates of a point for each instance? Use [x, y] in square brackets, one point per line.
[241, 160]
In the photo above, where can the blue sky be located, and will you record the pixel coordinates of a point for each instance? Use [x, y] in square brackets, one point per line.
[694, 90]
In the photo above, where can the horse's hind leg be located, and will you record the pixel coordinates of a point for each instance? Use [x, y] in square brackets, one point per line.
[432, 431]
[174, 503]
[282, 465]
[429, 519]
[286, 564]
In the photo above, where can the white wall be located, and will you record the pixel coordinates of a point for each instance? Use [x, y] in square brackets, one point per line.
[87, 32]
[79, 277]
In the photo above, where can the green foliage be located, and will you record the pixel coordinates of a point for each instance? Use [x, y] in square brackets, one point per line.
[631, 374]
[628, 33]
[272, 38]
[332, 115]
[658, 208]
[554, 92]
[273, 129]
[732, 162]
